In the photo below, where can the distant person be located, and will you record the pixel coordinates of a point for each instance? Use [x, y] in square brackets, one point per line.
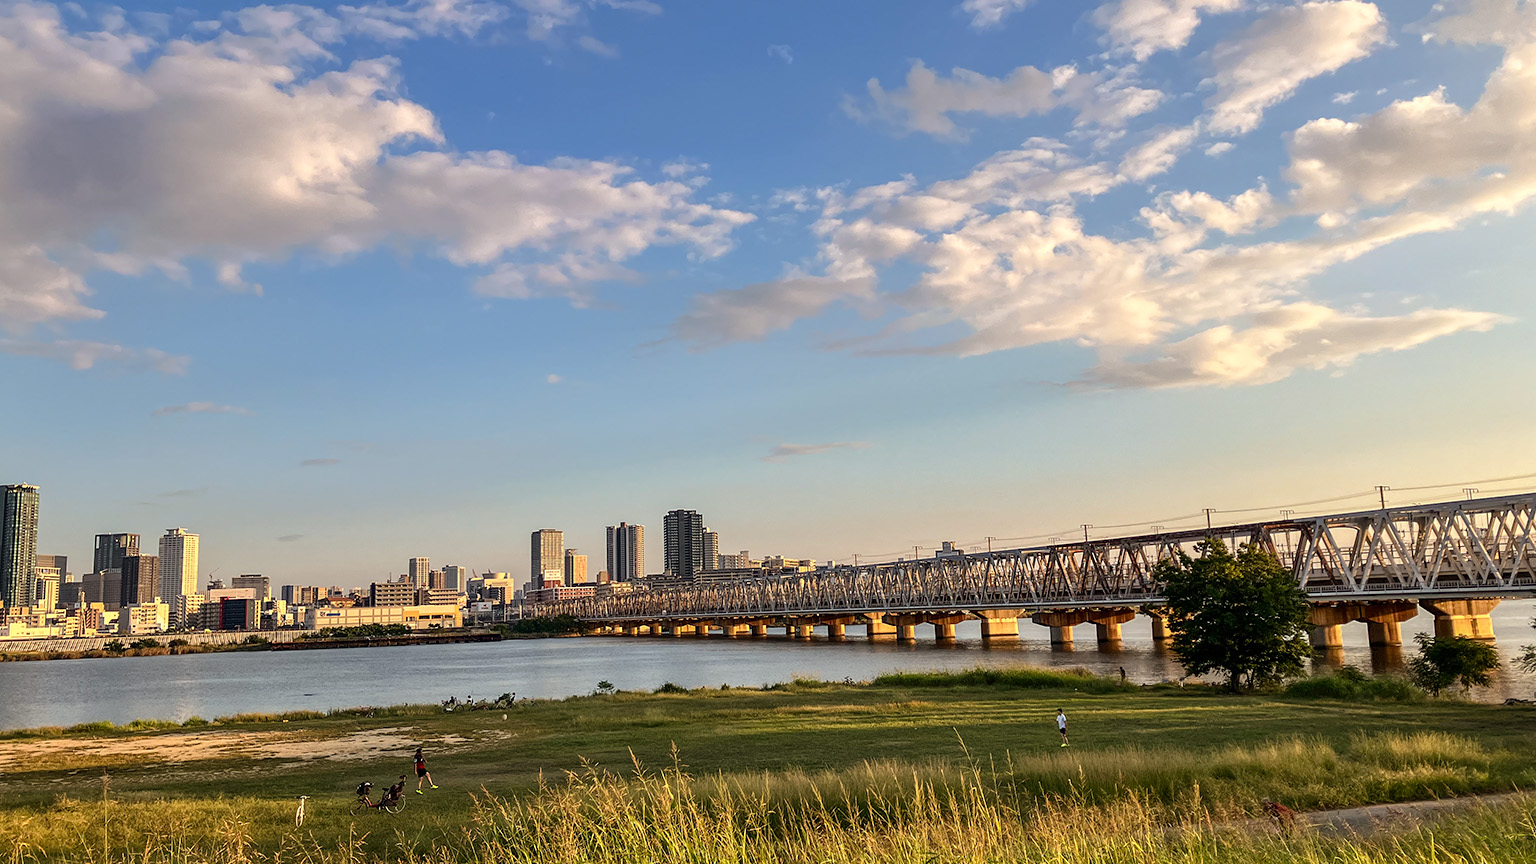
[422, 774]
[1061, 725]
[1122, 674]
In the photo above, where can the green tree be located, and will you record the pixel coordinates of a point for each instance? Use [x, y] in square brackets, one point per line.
[1241, 615]
[1447, 660]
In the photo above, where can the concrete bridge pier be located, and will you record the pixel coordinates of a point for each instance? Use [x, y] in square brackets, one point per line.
[999, 623]
[1467, 618]
[1107, 622]
[1327, 626]
[878, 628]
[1160, 629]
[906, 632]
[1061, 624]
[735, 631]
[837, 631]
[759, 629]
[805, 631]
[679, 630]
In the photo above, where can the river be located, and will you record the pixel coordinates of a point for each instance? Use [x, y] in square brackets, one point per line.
[65, 692]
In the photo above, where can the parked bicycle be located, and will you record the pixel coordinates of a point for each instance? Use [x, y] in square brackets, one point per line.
[298, 815]
[392, 801]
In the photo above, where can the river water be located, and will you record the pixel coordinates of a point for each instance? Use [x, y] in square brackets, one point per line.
[65, 692]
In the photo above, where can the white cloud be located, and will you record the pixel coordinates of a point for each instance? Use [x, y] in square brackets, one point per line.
[786, 451]
[1142, 28]
[1219, 148]
[927, 100]
[1345, 98]
[319, 463]
[199, 408]
[597, 46]
[1288, 46]
[990, 13]
[1158, 153]
[1212, 293]
[82, 355]
[552, 378]
[782, 53]
[236, 143]
[1282, 340]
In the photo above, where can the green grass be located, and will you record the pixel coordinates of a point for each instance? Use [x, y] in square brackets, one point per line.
[824, 751]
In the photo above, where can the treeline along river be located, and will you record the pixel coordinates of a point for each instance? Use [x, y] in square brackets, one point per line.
[175, 687]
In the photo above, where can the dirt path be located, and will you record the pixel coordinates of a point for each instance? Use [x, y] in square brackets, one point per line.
[1365, 821]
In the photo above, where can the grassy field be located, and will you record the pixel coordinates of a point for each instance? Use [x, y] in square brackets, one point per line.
[955, 765]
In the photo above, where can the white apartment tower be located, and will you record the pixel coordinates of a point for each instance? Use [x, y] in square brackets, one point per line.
[626, 552]
[178, 563]
[711, 549]
[547, 555]
[421, 569]
[575, 568]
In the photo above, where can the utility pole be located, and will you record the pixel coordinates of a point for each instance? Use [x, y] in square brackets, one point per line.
[1208, 512]
[1470, 491]
[1382, 491]
[855, 560]
[1287, 514]
[1086, 526]
[989, 545]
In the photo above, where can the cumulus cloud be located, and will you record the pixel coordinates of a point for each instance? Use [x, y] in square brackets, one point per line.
[319, 463]
[782, 53]
[199, 408]
[552, 378]
[78, 354]
[1288, 46]
[785, 451]
[1212, 290]
[246, 141]
[927, 99]
[990, 13]
[1142, 28]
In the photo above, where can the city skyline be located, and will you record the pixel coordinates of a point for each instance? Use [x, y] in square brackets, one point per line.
[847, 280]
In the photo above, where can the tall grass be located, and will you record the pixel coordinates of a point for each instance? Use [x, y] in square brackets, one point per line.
[1351, 685]
[1123, 807]
[1023, 677]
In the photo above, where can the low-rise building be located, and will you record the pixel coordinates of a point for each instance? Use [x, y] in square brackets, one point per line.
[391, 594]
[137, 619]
[417, 617]
[559, 592]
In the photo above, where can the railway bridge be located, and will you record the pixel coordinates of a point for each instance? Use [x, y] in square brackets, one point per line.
[1454, 560]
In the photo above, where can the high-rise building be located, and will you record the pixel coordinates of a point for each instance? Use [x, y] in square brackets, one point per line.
[110, 549]
[575, 567]
[18, 545]
[140, 580]
[684, 543]
[53, 565]
[711, 550]
[178, 563]
[626, 552]
[455, 578]
[260, 583]
[420, 570]
[547, 548]
[46, 592]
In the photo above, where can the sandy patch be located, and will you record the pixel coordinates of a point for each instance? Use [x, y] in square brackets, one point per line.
[181, 747]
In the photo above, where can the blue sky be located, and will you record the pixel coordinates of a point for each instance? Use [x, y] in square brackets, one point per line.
[335, 286]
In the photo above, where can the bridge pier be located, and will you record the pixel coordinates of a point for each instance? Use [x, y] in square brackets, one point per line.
[943, 632]
[1061, 623]
[906, 632]
[1467, 618]
[805, 631]
[1160, 630]
[998, 623]
[679, 630]
[877, 628]
[758, 629]
[837, 631]
[1107, 622]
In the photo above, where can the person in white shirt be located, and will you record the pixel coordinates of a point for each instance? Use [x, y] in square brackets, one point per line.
[1061, 725]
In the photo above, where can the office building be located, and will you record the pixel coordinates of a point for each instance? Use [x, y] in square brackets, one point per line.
[735, 562]
[683, 540]
[455, 578]
[575, 568]
[18, 544]
[178, 563]
[187, 612]
[392, 594]
[140, 580]
[415, 617]
[53, 565]
[626, 552]
[110, 549]
[711, 549]
[46, 593]
[238, 613]
[141, 618]
[547, 553]
[419, 571]
[302, 595]
[261, 584]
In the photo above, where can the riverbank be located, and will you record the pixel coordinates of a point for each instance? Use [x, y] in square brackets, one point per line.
[897, 746]
[103, 647]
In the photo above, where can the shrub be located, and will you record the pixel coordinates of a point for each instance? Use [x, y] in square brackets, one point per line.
[558, 625]
[1444, 661]
[669, 687]
[116, 646]
[1352, 685]
[1022, 677]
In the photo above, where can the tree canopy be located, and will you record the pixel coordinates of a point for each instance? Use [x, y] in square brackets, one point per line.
[1448, 660]
[1241, 615]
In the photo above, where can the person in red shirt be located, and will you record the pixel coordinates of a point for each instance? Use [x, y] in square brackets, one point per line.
[422, 774]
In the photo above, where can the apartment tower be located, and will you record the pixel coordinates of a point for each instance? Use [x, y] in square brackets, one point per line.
[575, 568]
[140, 580]
[18, 545]
[684, 543]
[626, 552]
[178, 564]
[110, 550]
[547, 547]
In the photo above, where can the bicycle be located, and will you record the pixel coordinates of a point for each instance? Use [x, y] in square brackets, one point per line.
[389, 803]
[298, 815]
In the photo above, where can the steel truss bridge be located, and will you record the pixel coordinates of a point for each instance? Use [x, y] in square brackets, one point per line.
[1480, 548]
